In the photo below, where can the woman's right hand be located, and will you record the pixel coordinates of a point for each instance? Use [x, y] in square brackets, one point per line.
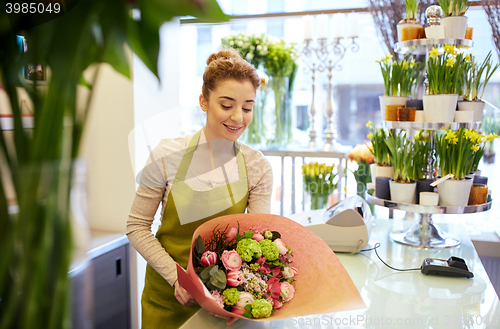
[182, 295]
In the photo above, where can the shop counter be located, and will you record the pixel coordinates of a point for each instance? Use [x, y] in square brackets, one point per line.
[407, 299]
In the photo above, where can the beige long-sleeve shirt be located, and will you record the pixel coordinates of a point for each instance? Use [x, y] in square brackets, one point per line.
[157, 178]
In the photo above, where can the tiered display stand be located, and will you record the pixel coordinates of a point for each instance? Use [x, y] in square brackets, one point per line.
[424, 233]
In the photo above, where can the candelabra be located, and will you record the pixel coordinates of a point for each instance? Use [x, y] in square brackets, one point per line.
[325, 57]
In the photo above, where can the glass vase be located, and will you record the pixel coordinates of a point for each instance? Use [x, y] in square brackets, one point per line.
[280, 117]
[319, 201]
[255, 133]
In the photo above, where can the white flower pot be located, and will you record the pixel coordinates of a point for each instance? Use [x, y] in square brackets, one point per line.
[403, 192]
[440, 108]
[434, 32]
[454, 192]
[476, 172]
[475, 106]
[454, 26]
[380, 171]
[391, 100]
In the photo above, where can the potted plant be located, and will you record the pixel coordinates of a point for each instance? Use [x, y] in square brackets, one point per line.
[483, 141]
[455, 150]
[421, 150]
[392, 73]
[491, 125]
[400, 152]
[444, 74]
[409, 28]
[319, 183]
[36, 237]
[454, 20]
[381, 166]
[474, 85]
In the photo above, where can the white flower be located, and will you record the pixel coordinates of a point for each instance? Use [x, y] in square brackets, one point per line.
[249, 56]
[245, 299]
[231, 43]
[259, 47]
[239, 43]
[287, 272]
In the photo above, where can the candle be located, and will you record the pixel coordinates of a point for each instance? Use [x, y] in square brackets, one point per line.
[338, 26]
[308, 27]
[352, 25]
[322, 26]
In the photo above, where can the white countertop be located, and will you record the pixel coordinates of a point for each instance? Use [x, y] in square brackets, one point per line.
[399, 299]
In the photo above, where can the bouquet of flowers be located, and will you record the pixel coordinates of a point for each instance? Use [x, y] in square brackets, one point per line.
[250, 274]
[319, 183]
[260, 291]
[445, 71]
[252, 47]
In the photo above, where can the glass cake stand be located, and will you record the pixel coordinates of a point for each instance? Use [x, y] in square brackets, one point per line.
[424, 233]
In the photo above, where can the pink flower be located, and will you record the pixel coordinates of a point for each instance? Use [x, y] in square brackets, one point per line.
[274, 288]
[234, 278]
[276, 271]
[258, 237]
[265, 269]
[208, 258]
[216, 296]
[245, 299]
[231, 260]
[281, 246]
[287, 291]
[231, 234]
[276, 303]
[237, 310]
[288, 272]
[261, 260]
[295, 271]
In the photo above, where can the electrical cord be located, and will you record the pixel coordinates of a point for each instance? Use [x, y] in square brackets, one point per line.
[389, 266]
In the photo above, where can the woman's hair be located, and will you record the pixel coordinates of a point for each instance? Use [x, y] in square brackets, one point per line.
[224, 65]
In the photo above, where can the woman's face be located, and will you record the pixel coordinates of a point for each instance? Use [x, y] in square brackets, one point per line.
[229, 109]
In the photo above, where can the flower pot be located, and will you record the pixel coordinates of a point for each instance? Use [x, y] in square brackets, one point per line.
[423, 185]
[391, 100]
[454, 192]
[476, 107]
[402, 192]
[480, 180]
[440, 108]
[408, 30]
[464, 116]
[428, 198]
[434, 32]
[381, 171]
[476, 172]
[454, 27]
[478, 194]
[406, 114]
[382, 189]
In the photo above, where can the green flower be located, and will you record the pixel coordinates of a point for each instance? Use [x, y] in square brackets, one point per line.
[248, 249]
[231, 296]
[269, 249]
[268, 235]
[261, 308]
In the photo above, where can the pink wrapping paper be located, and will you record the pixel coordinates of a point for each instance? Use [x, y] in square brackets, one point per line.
[321, 286]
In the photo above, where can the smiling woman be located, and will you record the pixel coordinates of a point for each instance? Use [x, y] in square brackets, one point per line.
[197, 178]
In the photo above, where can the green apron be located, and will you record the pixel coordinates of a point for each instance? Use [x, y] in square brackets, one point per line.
[160, 308]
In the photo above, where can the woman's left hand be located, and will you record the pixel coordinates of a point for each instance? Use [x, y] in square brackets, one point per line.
[182, 295]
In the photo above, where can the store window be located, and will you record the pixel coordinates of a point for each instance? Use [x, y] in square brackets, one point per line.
[356, 87]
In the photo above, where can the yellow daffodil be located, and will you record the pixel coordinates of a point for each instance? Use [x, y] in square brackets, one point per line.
[450, 62]
[369, 124]
[377, 61]
[469, 134]
[450, 135]
[412, 63]
[369, 136]
[450, 49]
[434, 52]
[491, 137]
[475, 148]
[468, 58]
[387, 59]
[405, 65]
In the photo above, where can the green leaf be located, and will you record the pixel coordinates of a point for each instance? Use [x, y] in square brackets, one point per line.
[144, 42]
[199, 246]
[248, 311]
[213, 270]
[248, 235]
[205, 274]
[217, 283]
[276, 235]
